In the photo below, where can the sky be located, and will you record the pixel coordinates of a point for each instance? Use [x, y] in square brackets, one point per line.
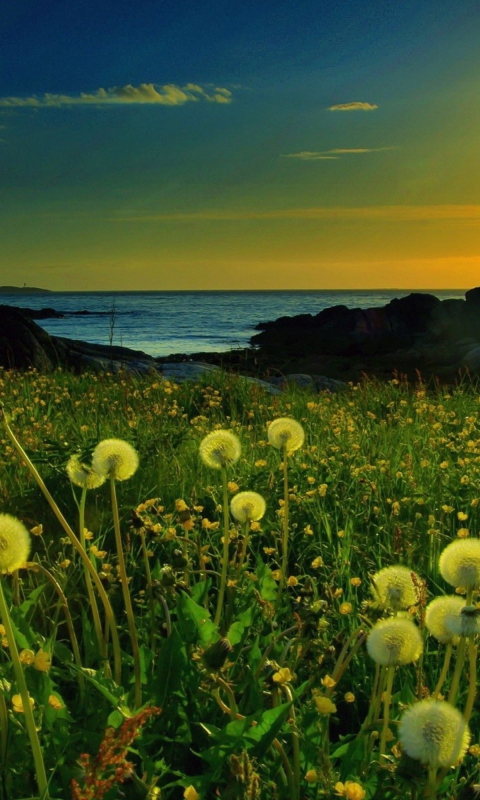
[248, 144]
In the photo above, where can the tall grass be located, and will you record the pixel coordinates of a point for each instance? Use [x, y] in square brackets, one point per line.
[388, 474]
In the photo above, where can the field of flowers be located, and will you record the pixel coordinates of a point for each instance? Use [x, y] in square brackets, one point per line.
[209, 591]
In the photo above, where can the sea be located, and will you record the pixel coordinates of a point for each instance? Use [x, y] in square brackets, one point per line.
[185, 322]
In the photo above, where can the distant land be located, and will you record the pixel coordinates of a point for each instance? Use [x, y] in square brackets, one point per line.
[23, 290]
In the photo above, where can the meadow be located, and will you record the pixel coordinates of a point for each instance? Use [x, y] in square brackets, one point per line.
[177, 643]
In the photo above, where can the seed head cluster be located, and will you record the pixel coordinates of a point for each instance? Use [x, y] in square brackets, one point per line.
[286, 434]
[439, 614]
[115, 458]
[394, 642]
[82, 475]
[219, 449]
[435, 733]
[459, 563]
[247, 506]
[14, 543]
[396, 587]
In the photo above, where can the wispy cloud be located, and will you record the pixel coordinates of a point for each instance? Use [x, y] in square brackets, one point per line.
[145, 93]
[357, 106]
[456, 213]
[335, 153]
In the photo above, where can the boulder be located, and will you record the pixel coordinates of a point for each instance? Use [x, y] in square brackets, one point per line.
[24, 344]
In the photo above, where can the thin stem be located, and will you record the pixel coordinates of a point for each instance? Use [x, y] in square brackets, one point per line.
[80, 550]
[151, 599]
[27, 709]
[444, 672]
[126, 598]
[226, 542]
[452, 696]
[243, 553]
[97, 623]
[3, 730]
[283, 577]
[386, 711]
[68, 618]
[295, 745]
[432, 782]
[472, 685]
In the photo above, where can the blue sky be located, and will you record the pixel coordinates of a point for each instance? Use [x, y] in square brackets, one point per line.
[242, 145]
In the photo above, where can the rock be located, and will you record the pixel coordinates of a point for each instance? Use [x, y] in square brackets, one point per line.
[318, 383]
[473, 296]
[25, 344]
[472, 360]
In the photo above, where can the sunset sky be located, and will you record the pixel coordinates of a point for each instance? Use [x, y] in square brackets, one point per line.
[248, 144]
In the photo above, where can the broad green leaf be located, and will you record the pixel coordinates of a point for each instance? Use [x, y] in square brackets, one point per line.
[268, 587]
[237, 629]
[194, 622]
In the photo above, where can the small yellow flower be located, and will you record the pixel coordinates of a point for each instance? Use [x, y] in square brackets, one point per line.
[292, 581]
[260, 462]
[463, 533]
[282, 676]
[317, 562]
[18, 704]
[322, 490]
[42, 661]
[232, 487]
[345, 608]
[190, 793]
[308, 530]
[447, 509]
[328, 682]
[311, 776]
[355, 581]
[37, 530]
[461, 516]
[27, 657]
[349, 697]
[55, 703]
[350, 789]
[180, 505]
[277, 574]
[65, 563]
[324, 705]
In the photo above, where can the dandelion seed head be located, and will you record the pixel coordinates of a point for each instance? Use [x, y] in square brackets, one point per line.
[219, 449]
[15, 543]
[82, 475]
[435, 733]
[459, 563]
[115, 458]
[286, 433]
[394, 641]
[466, 623]
[441, 611]
[247, 506]
[396, 587]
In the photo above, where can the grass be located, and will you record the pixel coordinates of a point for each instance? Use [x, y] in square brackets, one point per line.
[291, 705]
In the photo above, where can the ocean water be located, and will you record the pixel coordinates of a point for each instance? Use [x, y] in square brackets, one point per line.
[164, 323]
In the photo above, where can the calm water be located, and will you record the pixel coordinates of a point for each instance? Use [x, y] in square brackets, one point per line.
[162, 323]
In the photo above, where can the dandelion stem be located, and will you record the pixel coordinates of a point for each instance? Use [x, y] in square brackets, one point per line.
[472, 685]
[444, 672]
[126, 598]
[386, 711]
[27, 709]
[97, 624]
[295, 745]
[452, 696]
[226, 542]
[80, 550]
[151, 599]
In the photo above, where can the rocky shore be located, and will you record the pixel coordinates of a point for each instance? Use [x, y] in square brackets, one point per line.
[412, 336]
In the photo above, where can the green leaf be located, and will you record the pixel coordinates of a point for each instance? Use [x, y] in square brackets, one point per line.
[268, 587]
[268, 726]
[237, 629]
[170, 667]
[194, 622]
[32, 599]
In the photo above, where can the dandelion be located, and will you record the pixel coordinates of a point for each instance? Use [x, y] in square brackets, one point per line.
[247, 506]
[219, 449]
[394, 642]
[82, 475]
[115, 458]
[465, 623]
[435, 733]
[438, 615]
[286, 433]
[396, 587]
[459, 563]
[14, 543]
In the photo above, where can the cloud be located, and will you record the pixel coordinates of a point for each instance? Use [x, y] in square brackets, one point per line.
[335, 153]
[145, 93]
[455, 213]
[357, 106]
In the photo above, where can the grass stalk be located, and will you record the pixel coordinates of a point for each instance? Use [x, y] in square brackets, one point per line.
[23, 691]
[226, 542]
[386, 711]
[126, 597]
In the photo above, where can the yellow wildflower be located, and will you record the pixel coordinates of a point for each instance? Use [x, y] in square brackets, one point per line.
[18, 704]
[37, 530]
[311, 776]
[355, 581]
[42, 661]
[463, 533]
[282, 676]
[345, 608]
[317, 562]
[55, 703]
[190, 793]
[461, 516]
[328, 682]
[292, 581]
[180, 505]
[349, 697]
[277, 574]
[96, 552]
[27, 657]
[350, 789]
[324, 704]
